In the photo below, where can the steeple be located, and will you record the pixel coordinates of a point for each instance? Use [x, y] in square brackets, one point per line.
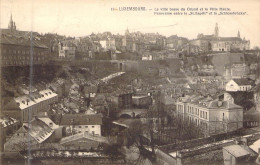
[11, 24]
[127, 31]
[238, 34]
[216, 30]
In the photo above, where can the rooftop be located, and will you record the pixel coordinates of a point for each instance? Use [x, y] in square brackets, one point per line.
[81, 119]
[85, 135]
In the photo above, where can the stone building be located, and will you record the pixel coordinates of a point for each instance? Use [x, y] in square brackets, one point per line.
[19, 48]
[213, 116]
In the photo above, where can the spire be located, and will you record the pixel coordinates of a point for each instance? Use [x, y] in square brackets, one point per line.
[11, 24]
[127, 31]
[238, 34]
[216, 30]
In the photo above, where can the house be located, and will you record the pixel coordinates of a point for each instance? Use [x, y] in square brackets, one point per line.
[214, 116]
[21, 107]
[238, 154]
[67, 50]
[78, 123]
[8, 126]
[108, 43]
[242, 84]
[84, 141]
[35, 133]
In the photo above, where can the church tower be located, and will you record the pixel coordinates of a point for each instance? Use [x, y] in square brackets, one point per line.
[238, 34]
[216, 30]
[127, 32]
[11, 24]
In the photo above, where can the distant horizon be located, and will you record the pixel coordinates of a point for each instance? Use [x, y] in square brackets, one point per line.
[81, 18]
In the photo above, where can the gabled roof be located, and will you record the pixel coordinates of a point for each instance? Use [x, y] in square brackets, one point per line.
[20, 38]
[85, 135]
[238, 151]
[243, 81]
[81, 119]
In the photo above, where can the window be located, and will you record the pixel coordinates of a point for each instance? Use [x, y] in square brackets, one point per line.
[93, 126]
[86, 126]
[79, 126]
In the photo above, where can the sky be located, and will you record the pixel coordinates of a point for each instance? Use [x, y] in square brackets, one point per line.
[82, 17]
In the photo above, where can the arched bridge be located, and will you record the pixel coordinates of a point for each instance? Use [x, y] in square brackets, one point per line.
[132, 113]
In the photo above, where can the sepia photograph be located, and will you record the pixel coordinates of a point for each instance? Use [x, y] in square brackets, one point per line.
[129, 82]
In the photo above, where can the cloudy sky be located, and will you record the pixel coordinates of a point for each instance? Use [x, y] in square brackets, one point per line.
[82, 17]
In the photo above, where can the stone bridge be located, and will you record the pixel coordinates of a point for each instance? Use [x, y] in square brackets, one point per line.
[132, 113]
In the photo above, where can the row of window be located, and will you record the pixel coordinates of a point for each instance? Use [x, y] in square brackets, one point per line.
[18, 62]
[244, 88]
[82, 126]
[21, 52]
[179, 107]
[198, 122]
[196, 111]
[21, 57]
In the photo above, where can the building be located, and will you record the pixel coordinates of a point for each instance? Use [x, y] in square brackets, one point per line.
[37, 133]
[220, 44]
[123, 100]
[238, 154]
[108, 43]
[8, 126]
[212, 116]
[67, 50]
[21, 48]
[203, 44]
[80, 123]
[23, 108]
[236, 71]
[242, 84]
[84, 141]
[141, 101]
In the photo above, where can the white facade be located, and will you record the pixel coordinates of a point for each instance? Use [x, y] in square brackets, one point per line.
[232, 86]
[213, 117]
[91, 129]
[108, 44]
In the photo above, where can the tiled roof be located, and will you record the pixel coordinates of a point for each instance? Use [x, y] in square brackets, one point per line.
[209, 103]
[30, 100]
[243, 81]
[6, 121]
[19, 38]
[85, 135]
[237, 150]
[223, 104]
[81, 119]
